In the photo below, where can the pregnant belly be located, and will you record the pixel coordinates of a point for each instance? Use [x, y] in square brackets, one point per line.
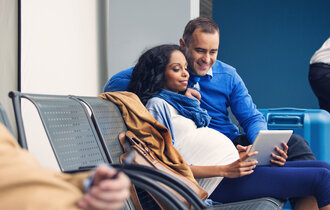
[206, 146]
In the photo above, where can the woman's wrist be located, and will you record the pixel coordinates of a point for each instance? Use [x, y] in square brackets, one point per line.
[221, 171]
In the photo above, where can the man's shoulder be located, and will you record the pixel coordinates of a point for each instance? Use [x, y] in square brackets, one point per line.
[119, 81]
[221, 67]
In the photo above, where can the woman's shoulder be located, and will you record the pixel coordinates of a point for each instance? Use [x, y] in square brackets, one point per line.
[155, 102]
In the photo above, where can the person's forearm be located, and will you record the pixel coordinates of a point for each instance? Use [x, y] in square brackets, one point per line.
[207, 171]
[240, 167]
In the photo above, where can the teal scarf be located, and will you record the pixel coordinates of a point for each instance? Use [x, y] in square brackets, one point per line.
[187, 107]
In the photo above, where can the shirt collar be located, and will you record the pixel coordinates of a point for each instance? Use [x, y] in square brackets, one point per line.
[210, 73]
[195, 79]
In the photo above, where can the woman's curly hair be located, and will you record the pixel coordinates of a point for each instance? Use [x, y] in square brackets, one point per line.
[148, 74]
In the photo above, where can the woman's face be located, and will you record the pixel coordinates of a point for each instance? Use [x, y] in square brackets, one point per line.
[176, 74]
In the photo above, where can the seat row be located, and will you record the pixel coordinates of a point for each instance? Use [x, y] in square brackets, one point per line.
[76, 133]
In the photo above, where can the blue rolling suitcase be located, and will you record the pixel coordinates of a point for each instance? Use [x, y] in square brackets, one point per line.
[312, 124]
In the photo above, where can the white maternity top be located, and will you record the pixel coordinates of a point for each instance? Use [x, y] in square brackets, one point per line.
[198, 146]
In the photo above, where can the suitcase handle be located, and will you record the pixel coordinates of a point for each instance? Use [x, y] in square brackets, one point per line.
[285, 120]
[287, 109]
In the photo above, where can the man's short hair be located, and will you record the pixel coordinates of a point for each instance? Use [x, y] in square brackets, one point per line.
[207, 26]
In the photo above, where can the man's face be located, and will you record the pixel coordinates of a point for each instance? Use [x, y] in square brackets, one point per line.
[202, 51]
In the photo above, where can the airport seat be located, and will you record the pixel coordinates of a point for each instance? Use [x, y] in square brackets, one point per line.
[74, 141]
[80, 140]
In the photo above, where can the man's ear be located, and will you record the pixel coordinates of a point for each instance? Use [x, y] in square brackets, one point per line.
[182, 44]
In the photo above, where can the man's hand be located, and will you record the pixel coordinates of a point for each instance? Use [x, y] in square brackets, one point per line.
[106, 193]
[280, 158]
[192, 93]
[241, 167]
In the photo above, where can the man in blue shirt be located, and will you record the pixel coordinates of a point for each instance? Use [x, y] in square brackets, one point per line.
[220, 87]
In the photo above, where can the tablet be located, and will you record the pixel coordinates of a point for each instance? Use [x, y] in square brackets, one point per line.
[265, 144]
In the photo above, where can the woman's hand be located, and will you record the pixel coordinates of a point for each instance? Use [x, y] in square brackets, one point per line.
[243, 149]
[280, 158]
[240, 167]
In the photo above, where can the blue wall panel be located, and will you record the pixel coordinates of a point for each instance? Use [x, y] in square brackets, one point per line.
[270, 43]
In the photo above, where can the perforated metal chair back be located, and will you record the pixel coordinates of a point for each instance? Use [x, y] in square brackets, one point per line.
[69, 129]
[4, 119]
[108, 123]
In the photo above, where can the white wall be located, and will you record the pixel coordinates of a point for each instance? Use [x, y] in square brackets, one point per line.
[60, 47]
[137, 25]
[8, 54]
[73, 46]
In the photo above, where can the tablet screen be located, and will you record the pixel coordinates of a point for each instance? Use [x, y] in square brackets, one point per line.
[265, 144]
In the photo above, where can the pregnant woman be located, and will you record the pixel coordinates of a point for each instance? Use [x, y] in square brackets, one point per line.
[158, 78]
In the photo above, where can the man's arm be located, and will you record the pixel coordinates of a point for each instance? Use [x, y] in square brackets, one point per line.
[245, 110]
[250, 118]
[119, 82]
